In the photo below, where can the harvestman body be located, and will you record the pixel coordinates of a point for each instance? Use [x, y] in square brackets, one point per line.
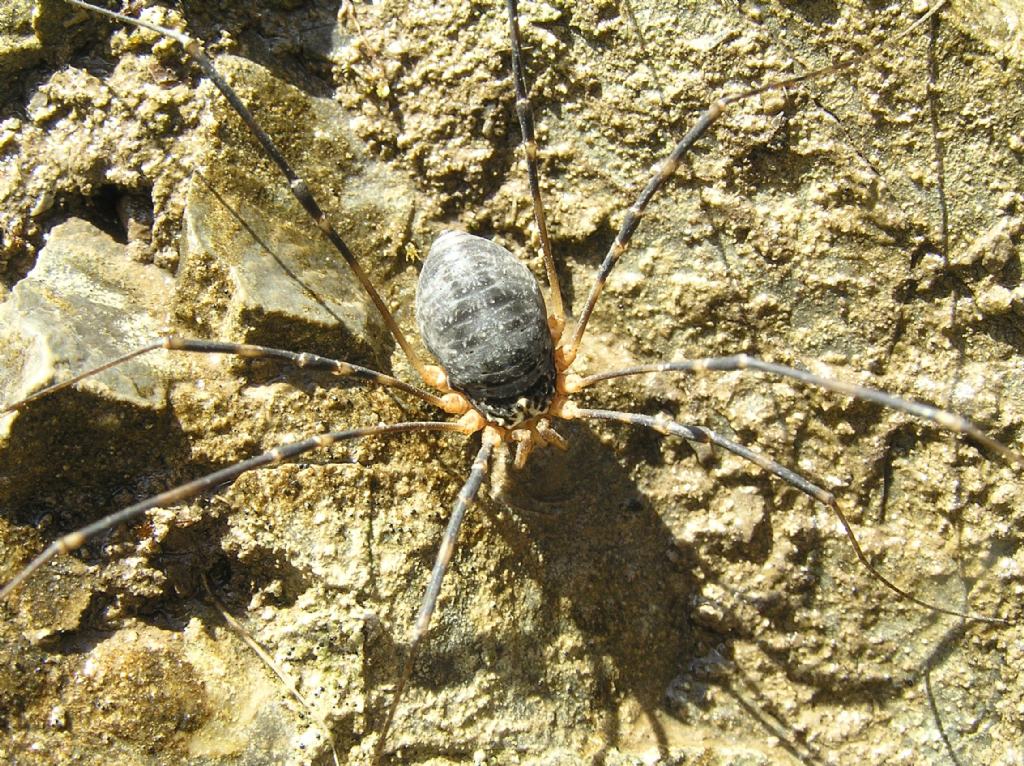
[505, 365]
[505, 360]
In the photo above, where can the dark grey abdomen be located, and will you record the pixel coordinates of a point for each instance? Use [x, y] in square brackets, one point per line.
[482, 315]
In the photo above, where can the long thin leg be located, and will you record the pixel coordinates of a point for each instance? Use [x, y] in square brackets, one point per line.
[525, 112]
[75, 540]
[247, 350]
[444, 556]
[296, 184]
[665, 425]
[943, 418]
[275, 668]
[667, 167]
[52, 389]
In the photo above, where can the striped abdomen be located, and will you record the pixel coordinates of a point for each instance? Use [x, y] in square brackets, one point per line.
[482, 315]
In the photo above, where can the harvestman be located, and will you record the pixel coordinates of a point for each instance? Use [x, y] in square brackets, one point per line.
[508, 385]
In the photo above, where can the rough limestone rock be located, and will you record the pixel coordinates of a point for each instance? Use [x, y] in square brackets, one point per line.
[631, 601]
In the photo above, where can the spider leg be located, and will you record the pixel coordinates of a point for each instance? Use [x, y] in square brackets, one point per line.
[248, 351]
[444, 556]
[940, 417]
[52, 389]
[665, 425]
[668, 166]
[75, 540]
[264, 657]
[298, 187]
[524, 110]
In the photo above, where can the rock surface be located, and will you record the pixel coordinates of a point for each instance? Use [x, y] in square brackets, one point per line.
[630, 601]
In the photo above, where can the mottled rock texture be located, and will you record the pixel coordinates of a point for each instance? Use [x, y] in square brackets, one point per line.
[628, 602]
